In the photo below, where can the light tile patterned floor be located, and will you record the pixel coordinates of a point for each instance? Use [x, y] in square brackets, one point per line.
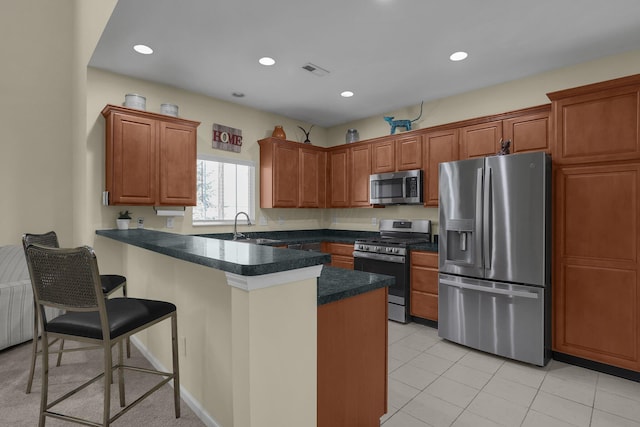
[436, 383]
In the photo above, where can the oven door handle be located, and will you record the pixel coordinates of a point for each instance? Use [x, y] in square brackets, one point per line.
[489, 290]
[379, 257]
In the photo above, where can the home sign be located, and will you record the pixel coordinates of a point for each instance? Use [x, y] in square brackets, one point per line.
[226, 138]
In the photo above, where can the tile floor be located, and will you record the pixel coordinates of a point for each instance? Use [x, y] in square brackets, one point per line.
[436, 383]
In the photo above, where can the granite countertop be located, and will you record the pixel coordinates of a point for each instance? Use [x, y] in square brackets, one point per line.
[250, 260]
[234, 257]
[316, 235]
[338, 283]
[430, 247]
[301, 236]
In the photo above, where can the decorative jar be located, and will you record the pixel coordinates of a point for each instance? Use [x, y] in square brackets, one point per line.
[278, 132]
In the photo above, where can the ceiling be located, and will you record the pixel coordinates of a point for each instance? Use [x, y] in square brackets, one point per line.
[390, 53]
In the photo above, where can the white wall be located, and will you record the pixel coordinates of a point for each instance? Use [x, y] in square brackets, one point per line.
[514, 95]
[109, 88]
[35, 117]
[496, 99]
[52, 163]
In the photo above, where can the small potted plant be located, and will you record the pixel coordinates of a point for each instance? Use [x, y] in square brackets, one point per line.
[124, 218]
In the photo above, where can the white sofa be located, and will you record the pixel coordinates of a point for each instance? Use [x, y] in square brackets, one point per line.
[16, 298]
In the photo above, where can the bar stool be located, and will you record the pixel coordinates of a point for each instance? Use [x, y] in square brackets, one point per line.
[109, 282]
[69, 279]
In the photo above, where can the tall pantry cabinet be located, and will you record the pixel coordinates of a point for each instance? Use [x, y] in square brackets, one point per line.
[596, 249]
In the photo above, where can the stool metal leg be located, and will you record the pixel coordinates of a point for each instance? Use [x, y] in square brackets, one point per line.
[34, 347]
[45, 379]
[124, 293]
[176, 368]
[121, 375]
[108, 364]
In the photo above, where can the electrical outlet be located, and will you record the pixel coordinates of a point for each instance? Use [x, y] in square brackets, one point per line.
[263, 220]
[140, 222]
[169, 222]
[280, 220]
[374, 221]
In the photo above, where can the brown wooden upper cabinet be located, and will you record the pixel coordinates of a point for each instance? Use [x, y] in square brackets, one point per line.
[313, 177]
[439, 147]
[291, 174]
[338, 186]
[599, 123]
[383, 156]
[396, 154]
[359, 172]
[150, 158]
[528, 130]
[409, 153]
[480, 140]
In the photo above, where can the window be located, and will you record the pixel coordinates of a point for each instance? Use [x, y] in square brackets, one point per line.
[224, 188]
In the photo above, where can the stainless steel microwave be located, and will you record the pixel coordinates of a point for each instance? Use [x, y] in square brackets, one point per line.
[396, 188]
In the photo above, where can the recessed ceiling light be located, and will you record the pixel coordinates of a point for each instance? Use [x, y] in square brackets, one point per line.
[143, 49]
[267, 61]
[346, 94]
[238, 94]
[458, 56]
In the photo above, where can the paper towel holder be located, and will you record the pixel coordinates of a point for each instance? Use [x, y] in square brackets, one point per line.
[170, 210]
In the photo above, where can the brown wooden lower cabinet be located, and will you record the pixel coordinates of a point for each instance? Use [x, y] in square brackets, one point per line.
[352, 361]
[341, 254]
[424, 285]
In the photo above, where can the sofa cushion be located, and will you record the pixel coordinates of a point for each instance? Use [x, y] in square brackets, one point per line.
[16, 298]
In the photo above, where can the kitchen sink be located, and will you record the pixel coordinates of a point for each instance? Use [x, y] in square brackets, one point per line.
[258, 241]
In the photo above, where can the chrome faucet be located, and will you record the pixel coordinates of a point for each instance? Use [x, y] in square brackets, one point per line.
[237, 235]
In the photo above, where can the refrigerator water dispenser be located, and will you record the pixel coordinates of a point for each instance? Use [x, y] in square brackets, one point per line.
[460, 237]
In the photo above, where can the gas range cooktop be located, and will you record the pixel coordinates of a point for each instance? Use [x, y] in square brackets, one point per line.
[395, 236]
[394, 241]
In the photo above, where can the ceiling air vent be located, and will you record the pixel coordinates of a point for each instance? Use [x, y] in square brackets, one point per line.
[314, 69]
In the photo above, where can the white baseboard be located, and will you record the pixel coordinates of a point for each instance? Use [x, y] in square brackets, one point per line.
[191, 402]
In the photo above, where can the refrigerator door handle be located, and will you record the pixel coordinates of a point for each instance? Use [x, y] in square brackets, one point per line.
[477, 238]
[489, 290]
[486, 232]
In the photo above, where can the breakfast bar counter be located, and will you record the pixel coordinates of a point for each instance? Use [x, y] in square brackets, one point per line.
[268, 336]
[252, 260]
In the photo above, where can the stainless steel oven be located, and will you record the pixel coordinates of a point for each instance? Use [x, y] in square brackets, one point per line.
[388, 254]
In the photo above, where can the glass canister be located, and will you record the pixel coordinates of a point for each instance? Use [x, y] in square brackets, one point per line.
[352, 136]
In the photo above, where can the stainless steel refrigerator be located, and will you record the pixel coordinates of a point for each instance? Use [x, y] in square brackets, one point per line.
[494, 255]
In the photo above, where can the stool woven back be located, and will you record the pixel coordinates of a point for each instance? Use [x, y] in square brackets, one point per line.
[65, 278]
[49, 239]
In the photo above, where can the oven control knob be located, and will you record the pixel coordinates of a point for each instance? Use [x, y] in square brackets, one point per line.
[389, 250]
[396, 250]
[376, 248]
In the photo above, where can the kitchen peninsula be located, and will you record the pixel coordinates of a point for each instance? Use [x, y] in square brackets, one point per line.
[267, 336]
